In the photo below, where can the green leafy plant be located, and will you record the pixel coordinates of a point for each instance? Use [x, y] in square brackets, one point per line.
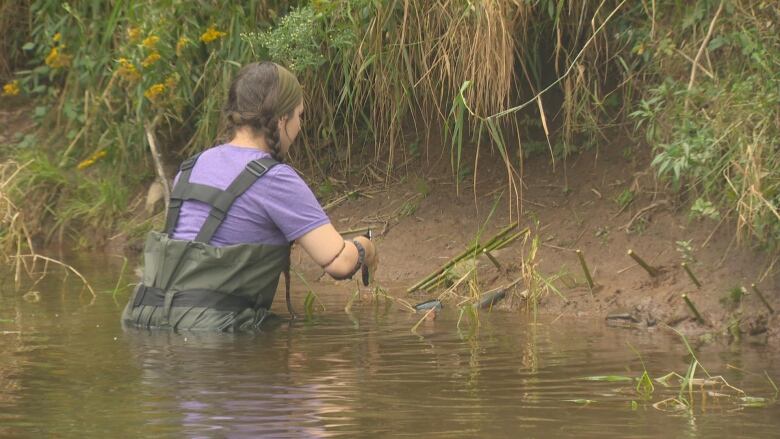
[702, 208]
[685, 249]
[624, 198]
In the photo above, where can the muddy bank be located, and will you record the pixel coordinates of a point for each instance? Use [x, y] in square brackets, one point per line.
[582, 204]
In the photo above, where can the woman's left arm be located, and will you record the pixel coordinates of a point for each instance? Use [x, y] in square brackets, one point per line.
[338, 257]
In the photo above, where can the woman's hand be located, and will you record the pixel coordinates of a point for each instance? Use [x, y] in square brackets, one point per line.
[338, 257]
[371, 262]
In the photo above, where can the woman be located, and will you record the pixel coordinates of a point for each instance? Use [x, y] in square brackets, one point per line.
[235, 209]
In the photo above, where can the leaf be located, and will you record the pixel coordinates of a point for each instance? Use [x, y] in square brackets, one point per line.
[28, 46]
[753, 402]
[580, 401]
[608, 378]
[717, 43]
[645, 386]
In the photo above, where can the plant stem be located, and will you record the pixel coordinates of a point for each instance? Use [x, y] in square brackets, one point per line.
[650, 270]
[763, 299]
[693, 308]
[585, 269]
[158, 167]
[493, 260]
[690, 274]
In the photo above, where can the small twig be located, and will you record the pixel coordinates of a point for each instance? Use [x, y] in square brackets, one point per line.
[622, 209]
[623, 270]
[432, 310]
[723, 219]
[701, 67]
[558, 247]
[76, 272]
[642, 211]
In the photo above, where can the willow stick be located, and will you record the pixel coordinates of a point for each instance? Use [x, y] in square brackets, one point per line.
[495, 243]
[690, 274]
[473, 250]
[503, 243]
[693, 308]
[585, 269]
[493, 260]
[650, 270]
[763, 299]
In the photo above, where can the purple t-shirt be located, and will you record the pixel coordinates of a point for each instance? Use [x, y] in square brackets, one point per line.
[278, 208]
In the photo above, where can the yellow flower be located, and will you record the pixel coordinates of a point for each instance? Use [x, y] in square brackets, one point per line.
[151, 59]
[151, 41]
[52, 57]
[127, 70]
[133, 34]
[11, 89]
[181, 44]
[172, 81]
[154, 91]
[212, 34]
[57, 37]
[55, 59]
[91, 160]
[85, 164]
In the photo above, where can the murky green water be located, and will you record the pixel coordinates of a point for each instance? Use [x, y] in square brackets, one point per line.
[68, 369]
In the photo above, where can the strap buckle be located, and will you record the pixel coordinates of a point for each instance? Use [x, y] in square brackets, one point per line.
[256, 168]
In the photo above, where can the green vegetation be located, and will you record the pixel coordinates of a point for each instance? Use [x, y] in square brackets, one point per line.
[708, 388]
[696, 81]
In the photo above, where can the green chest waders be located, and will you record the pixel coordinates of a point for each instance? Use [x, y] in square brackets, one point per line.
[191, 285]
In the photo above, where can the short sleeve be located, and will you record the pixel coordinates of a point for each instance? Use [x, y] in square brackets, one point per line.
[290, 203]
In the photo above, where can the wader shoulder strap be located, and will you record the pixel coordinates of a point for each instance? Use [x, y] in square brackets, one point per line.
[176, 200]
[220, 206]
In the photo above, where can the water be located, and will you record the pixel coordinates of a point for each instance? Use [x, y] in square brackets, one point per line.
[68, 369]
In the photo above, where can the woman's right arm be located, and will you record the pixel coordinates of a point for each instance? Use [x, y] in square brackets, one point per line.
[337, 256]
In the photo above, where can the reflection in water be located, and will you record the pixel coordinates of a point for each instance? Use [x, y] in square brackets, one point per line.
[71, 369]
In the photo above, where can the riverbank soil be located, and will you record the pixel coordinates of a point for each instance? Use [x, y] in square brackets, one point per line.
[603, 203]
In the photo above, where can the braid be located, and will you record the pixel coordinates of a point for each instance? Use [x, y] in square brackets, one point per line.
[274, 140]
[268, 126]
